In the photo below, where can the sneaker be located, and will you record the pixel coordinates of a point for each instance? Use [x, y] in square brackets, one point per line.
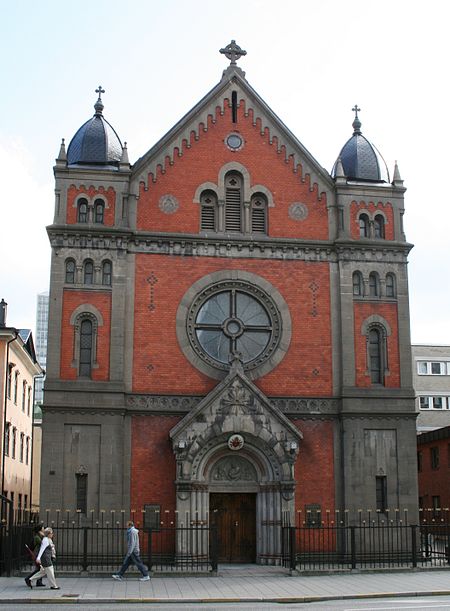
[55, 588]
[146, 578]
[118, 577]
[28, 582]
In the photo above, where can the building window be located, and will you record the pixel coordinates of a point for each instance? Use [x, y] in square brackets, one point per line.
[436, 502]
[376, 355]
[437, 402]
[70, 271]
[258, 211]
[391, 290]
[381, 493]
[208, 213]
[16, 386]
[14, 442]
[419, 461]
[374, 284]
[25, 502]
[9, 383]
[29, 401]
[24, 395]
[21, 447]
[106, 273]
[81, 492]
[433, 368]
[86, 342]
[233, 202]
[378, 226]
[82, 211]
[424, 402]
[152, 517]
[437, 369]
[7, 437]
[358, 284]
[88, 272]
[434, 457]
[99, 211]
[363, 226]
[27, 451]
[313, 515]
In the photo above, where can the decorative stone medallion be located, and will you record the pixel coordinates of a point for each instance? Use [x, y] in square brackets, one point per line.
[168, 204]
[298, 211]
[236, 442]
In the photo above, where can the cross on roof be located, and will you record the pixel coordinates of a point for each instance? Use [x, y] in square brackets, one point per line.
[233, 52]
[356, 110]
[100, 91]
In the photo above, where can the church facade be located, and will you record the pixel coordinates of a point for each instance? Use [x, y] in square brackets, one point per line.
[228, 325]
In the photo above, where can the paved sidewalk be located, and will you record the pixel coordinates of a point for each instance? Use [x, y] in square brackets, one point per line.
[264, 584]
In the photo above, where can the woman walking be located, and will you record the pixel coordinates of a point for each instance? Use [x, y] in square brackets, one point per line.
[37, 540]
[45, 559]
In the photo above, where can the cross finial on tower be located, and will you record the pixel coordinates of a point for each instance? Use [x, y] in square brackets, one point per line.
[356, 122]
[99, 103]
[100, 90]
[356, 110]
[233, 52]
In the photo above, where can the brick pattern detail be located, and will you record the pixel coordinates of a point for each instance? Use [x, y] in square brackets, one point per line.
[71, 301]
[201, 163]
[90, 193]
[371, 208]
[155, 337]
[153, 464]
[389, 312]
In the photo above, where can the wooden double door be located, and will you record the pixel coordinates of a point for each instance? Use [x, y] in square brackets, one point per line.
[234, 516]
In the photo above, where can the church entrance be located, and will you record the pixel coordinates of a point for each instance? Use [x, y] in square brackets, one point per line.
[234, 515]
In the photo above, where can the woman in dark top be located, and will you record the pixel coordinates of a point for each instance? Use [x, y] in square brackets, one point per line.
[37, 539]
[45, 558]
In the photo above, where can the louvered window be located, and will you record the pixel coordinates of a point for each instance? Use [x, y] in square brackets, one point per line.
[208, 202]
[259, 214]
[233, 203]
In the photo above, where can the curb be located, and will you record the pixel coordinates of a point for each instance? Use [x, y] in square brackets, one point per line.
[75, 599]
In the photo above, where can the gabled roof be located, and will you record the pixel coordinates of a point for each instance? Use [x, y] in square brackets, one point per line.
[180, 134]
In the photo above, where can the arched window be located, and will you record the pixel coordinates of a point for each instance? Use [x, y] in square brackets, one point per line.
[86, 344]
[208, 204]
[88, 272]
[233, 202]
[82, 211]
[358, 284]
[258, 211]
[99, 211]
[374, 284]
[391, 289]
[376, 355]
[106, 273]
[70, 271]
[363, 226]
[378, 226]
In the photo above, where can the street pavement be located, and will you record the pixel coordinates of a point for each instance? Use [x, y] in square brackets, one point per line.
[231, 585]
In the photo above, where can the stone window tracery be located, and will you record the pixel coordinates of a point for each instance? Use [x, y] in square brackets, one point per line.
[82, 210]
[70, 271]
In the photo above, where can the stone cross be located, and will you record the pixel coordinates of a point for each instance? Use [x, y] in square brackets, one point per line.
[356, 110]
[99, 91]
[233, 52]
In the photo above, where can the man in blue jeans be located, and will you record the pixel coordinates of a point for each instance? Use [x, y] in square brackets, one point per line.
[133, 555]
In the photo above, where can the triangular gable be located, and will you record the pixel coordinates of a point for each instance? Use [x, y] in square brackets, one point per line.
[198, 118]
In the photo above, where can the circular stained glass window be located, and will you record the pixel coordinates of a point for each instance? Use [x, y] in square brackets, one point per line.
[232, 317]
[234, 141]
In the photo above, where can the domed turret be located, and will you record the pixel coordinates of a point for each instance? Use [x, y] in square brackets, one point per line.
[360, 159]
[96, 142]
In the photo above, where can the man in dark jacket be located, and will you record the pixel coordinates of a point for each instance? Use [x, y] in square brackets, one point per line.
[37, 538]
[133, 555]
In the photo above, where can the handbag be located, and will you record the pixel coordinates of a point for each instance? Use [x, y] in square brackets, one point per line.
[31, 554]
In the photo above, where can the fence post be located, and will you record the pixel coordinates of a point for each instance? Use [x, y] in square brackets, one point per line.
[150, 559]
[84, 564]
[292, 549]
[214, 548]
[353, 546]
[414, 544]
[447, 549]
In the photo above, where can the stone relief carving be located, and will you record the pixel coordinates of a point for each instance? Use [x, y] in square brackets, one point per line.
[168, 204]
[232, 470]
[238, 401]
[298, 211]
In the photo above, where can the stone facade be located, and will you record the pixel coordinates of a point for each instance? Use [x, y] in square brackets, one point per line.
[228, 352]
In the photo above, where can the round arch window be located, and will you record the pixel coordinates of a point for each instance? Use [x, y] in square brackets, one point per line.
[234, 316]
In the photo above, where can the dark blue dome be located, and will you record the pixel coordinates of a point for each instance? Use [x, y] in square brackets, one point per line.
[360, 159]
[96, 142]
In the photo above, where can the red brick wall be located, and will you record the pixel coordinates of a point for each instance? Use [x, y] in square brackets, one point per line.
[90, 193]
[388, 311]
[314, 469]
[71, 301]
[371, 208]
[156, 344]
[202, 162]
[435, 482]
[153, 462]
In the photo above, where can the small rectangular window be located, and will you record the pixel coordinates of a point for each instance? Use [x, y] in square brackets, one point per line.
[381, 492]
[434, 457]
[436, 368]
[424, 402]
[81, 492]
[437, 403]
[422, 367]
[313, 515]
[152, 517]
[436, 500]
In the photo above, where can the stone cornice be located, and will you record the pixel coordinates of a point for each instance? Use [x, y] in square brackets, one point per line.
[225, 245]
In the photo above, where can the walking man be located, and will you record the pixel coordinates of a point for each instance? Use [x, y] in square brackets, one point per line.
[45, 559]
[133, 555]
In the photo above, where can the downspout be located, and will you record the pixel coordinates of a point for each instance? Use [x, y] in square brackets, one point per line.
[5, 399]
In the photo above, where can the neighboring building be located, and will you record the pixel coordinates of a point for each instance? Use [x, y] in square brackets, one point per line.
[41, 342]
[433, 458]
[431, 379]
[229, 324]
[18, 370]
